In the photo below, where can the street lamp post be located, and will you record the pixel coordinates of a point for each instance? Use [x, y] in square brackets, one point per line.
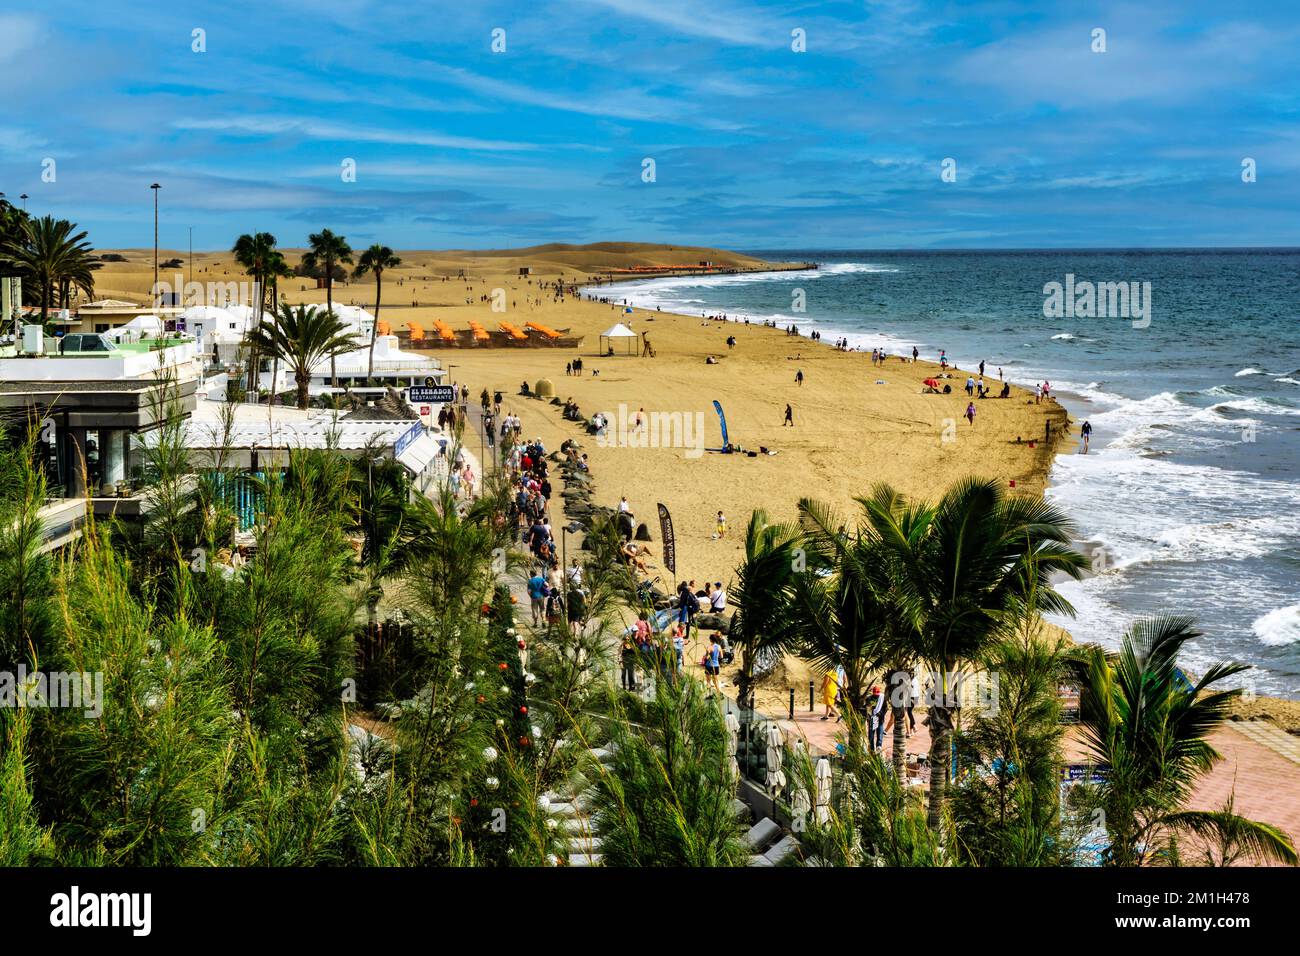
[23, 197]
[155, 187]
[571, 528]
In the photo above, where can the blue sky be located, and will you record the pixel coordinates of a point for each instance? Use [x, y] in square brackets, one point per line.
[755, 146]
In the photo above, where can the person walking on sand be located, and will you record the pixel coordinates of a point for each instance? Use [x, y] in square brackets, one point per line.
[721, 528]
[789, 417]
[830, 690]
[1085, 432]
[1038, 394]
[970, 412]
[916, 353]
[798, 377]
[712, 664]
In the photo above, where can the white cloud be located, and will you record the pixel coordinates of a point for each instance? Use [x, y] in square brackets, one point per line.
[691, 18]
[280, 126]
[17, 34]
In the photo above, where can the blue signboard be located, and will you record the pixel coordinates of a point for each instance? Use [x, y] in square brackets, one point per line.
[404, 442]
[432, 393]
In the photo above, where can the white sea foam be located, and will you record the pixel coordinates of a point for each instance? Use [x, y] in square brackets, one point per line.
[1092, 391]
[843, 268]
[1142, 509]
[1248, 371]
[1287, 380]
[1254, 406]
[1279, 627]
[651, 292]
[1067, 336]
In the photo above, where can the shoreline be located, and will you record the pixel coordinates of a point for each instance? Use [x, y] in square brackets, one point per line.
[1283, 711]
[855, 423]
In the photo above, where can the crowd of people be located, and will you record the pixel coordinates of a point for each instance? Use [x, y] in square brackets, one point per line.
[878, 709]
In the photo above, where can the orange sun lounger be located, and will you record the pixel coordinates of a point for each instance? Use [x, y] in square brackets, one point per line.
[479, 333]
[383, 328]
[417, 333]
[444, 331]
[511, 331]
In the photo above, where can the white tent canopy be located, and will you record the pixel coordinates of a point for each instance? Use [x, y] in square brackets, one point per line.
[619, 331]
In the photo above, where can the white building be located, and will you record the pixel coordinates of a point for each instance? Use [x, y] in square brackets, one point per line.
[221, 333]
[262, 437]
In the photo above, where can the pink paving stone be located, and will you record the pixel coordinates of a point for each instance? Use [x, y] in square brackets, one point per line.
[1267, 784]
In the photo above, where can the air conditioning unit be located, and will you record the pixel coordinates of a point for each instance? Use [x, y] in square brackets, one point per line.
[33, 339]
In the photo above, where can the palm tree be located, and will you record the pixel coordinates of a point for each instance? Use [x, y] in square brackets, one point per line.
[276, 269]
[380, 495]
[52, 255]
[763, 591]
[327, 251]
[1143, 723]
[1008, 813]
[375, 259]
[843, 609]
[303, 336]
[256, 252]
[961, 574]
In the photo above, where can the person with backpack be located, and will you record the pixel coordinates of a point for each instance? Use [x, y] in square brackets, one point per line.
[554, 606]
[712, 665]
[537, 591]
[577, 608]
[688, 605]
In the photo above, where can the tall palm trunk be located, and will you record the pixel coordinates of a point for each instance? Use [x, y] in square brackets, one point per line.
[301, 378]
[329, 305]
[374, 327]
[900, 742]
[940, 716]
[898, 686]
[275, 356]
[257, 323]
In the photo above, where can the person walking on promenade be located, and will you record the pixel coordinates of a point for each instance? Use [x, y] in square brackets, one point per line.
[830, 690]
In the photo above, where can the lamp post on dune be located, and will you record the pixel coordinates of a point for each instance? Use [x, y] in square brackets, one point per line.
[154, 291]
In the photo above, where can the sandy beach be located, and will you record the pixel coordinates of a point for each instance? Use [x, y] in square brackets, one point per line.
[855, 424]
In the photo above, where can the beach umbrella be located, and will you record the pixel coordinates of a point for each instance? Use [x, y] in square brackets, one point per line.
[775, 776]
[822, 812]
[800, 802]
[732, 724]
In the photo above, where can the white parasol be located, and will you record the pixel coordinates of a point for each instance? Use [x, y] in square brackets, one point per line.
[822, 811]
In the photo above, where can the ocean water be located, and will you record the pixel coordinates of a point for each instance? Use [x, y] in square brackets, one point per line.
[1190, 497]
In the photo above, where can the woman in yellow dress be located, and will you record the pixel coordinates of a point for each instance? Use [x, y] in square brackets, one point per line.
[830, 689]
